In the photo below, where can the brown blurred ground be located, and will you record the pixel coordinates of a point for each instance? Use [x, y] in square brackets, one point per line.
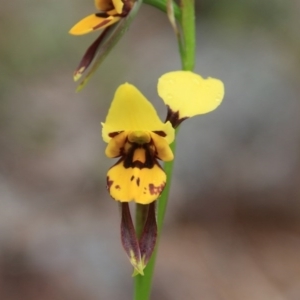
[232, 228]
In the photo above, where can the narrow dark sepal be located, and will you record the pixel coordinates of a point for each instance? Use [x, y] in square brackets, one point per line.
[149, 234]
[89, 55]
[129, 239]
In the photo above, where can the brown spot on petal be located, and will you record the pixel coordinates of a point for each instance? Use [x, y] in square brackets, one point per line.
[109, 183]
[102, 15]
[138, 181]
[113, 134]
[160, 133]
[132, 177]
[117, 187]
[156, 190]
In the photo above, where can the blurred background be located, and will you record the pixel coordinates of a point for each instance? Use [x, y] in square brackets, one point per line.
[233, 222]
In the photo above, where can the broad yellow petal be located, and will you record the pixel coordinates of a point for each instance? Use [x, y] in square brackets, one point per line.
[162, 148]
[131, 111]
[118, 4]
[189, 94]
[104, 5]
[91, 23]
[136, 183]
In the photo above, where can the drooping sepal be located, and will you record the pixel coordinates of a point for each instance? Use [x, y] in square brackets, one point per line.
[89, 55]
[130, 241]
[118, 29]
[148, 238]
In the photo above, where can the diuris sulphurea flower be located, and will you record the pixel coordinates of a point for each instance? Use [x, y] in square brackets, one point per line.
[136, 135]
[113, 19]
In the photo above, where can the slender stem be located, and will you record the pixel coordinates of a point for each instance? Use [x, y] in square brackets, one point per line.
[143, 284]
[189, 34]
[162, 5]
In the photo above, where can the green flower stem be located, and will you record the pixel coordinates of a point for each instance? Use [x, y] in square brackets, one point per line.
[143, 284]
[162, 5]
[189, 34]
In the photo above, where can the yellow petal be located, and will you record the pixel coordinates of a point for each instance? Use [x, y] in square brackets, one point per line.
[104, 5]
[162, 148]
[190, 94]
[91, 23]
[131, 111]
[115, 145]
[118, 4]
[137, 183]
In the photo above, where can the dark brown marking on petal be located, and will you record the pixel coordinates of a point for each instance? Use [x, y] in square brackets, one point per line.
[102, 14]
[173, 117]
[117, 187]
[156, 190]
[150, 160]
[160, 133]
[113, 134]
[109, 183]
[138, 181]
[132, 177]
[103, 23]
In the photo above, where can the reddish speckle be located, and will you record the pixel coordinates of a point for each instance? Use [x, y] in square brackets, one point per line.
[156, 190]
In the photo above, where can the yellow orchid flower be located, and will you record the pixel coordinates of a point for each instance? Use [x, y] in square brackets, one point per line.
[135, 133]
[137, 136]
[110, 13]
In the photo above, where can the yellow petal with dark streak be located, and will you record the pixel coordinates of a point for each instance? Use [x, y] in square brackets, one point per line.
[92, 23]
